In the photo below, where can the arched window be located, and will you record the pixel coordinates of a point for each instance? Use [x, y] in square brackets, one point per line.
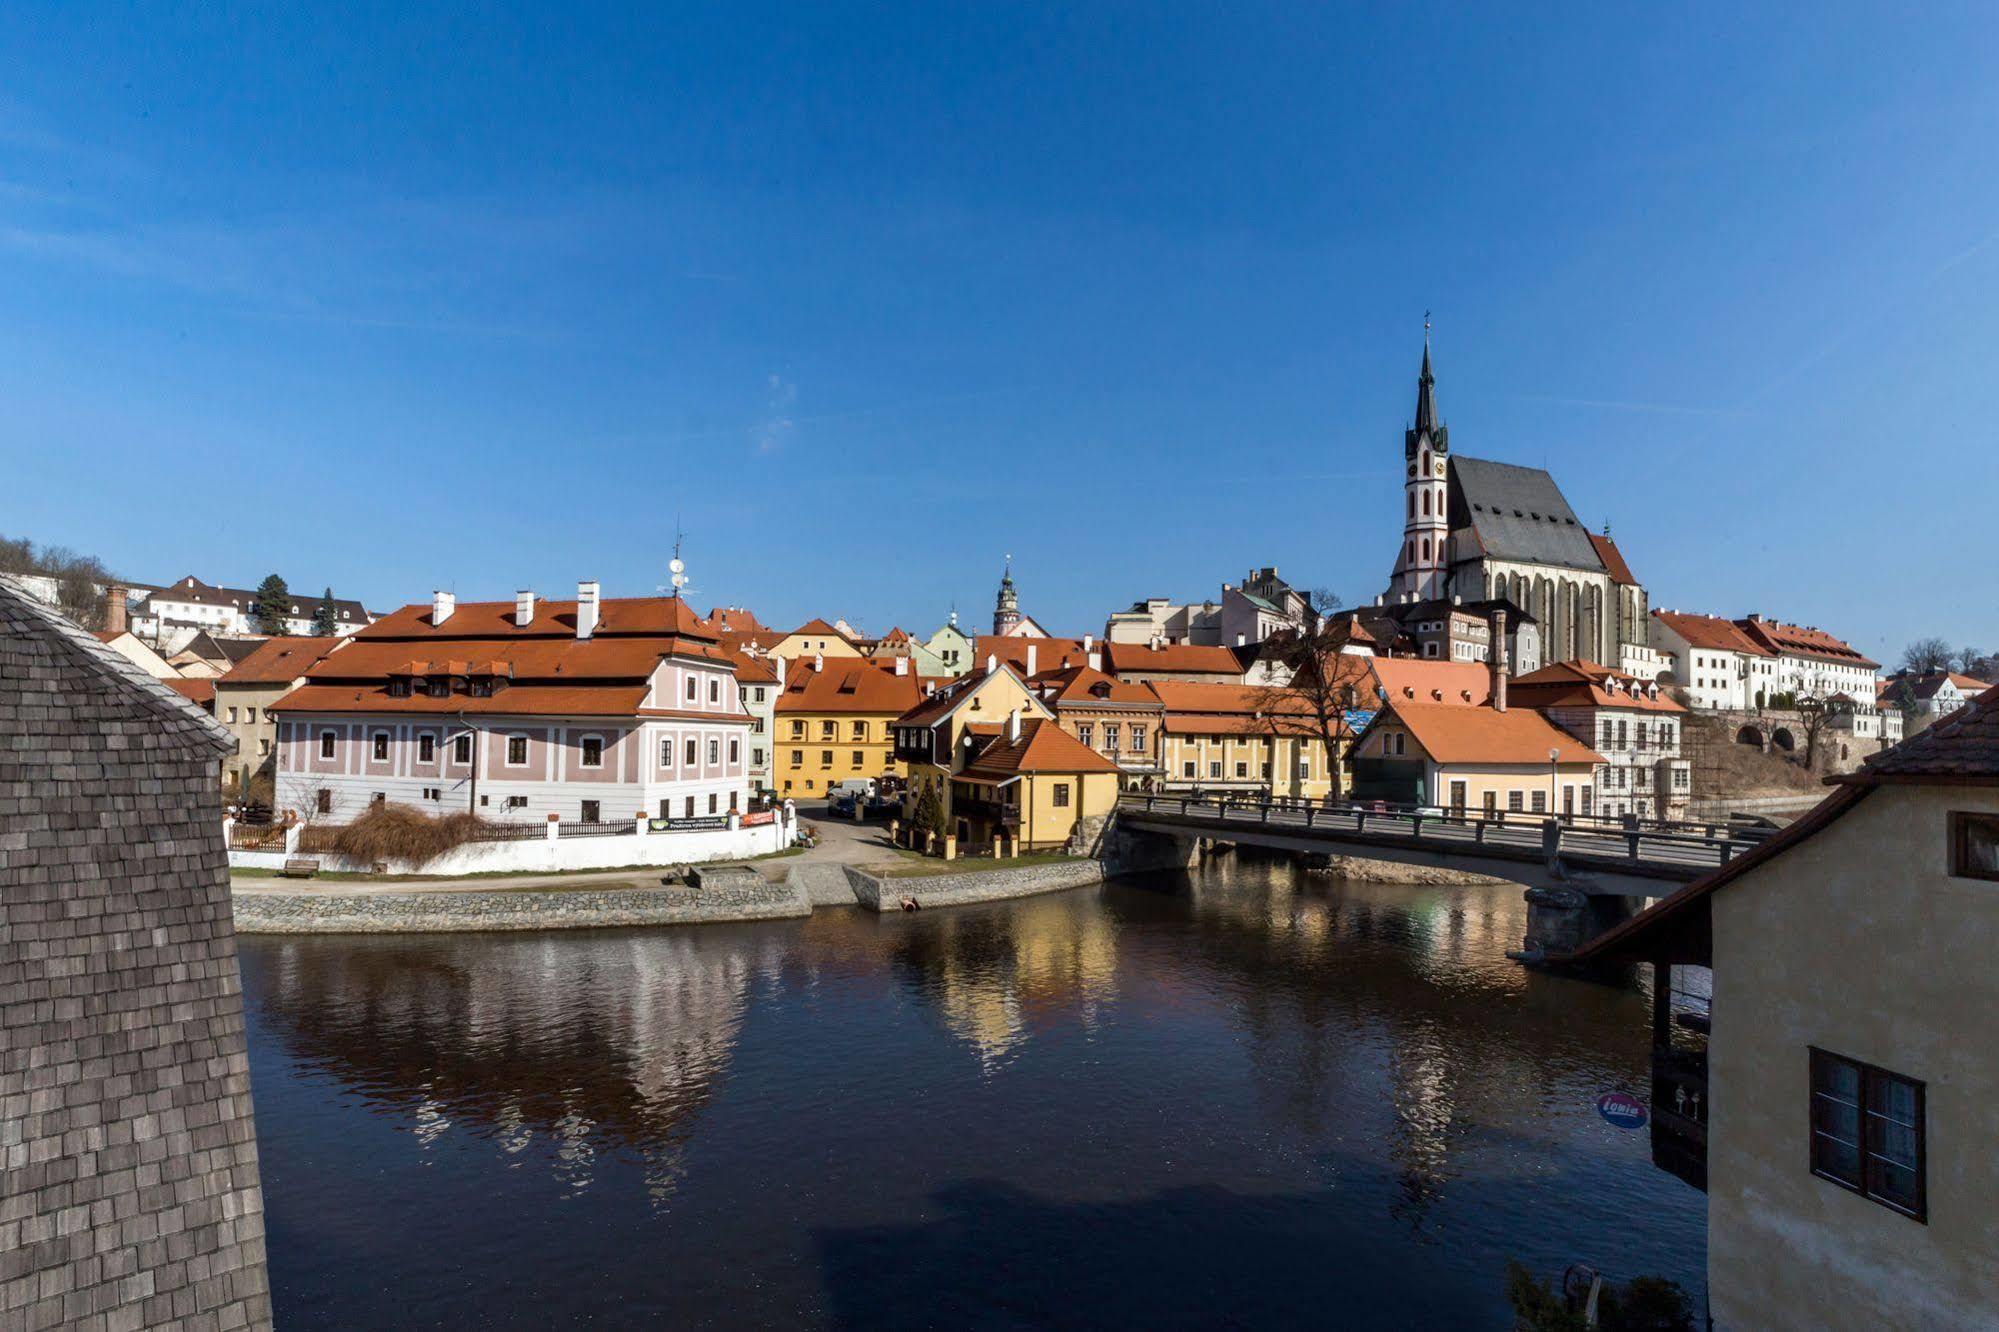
[1412, 552]
[1426, 549]
[1426, 504]
[1412, 504]
[1426, 462]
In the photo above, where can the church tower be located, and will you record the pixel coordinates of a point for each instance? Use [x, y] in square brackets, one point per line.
[1006, 610]
[1421, 567]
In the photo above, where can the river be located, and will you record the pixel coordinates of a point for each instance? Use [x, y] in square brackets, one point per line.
[1249, 1097]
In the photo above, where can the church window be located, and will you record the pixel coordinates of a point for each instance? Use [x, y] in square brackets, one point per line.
[1426, 548]
[1426, 504]
[1412, 505]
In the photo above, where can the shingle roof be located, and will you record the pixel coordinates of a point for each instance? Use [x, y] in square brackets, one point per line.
[1415, 679]
[1079, 685]
[1042, 747]
[552, 619]
[1518, 513]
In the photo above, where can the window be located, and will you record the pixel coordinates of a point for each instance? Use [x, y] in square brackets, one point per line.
[399, 687]
[1137, 738]
[324, 801]
[1491, 803]
[691, 686]
[381, 746]
[438, 686]
[1609, 732]
[1513, 801]
[714, 691]
[760, 693]
[326, 744]
[461, 749]
[593, 754]
[798, 730]
[263, 746]
[426, 749]
[517, 802]
[691, 754]
[1086, 733]
[517, 751]
[665, 756]
[1540, 802]
[1974, 846]
[1586, 798]
[689, 807]
[1111, 734]
[711, 802]
[1868, 1132]
[797, 758]
[1241, 770]
[826, 730]
[825, 758]
[714, 750]
[1187, 768]
[433, 793]
[860, 759]
[756, 758]
[592, 812]
[232, 714]
[860, 730]
[1215, 769]
[735, 750]
[1060, 792]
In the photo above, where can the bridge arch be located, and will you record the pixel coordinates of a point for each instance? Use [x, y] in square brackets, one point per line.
[1752, 734]
[1784, 740]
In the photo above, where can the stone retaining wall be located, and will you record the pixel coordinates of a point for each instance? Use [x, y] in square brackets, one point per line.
[969, 886]
[752, 897]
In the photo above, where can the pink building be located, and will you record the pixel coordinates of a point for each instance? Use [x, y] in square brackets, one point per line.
[595, 711]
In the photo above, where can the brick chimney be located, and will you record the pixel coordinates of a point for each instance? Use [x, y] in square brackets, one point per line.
[114, 609]
[1030, 660]
[441, 606]
[523, 609]
[586, 607]
[818, 661]
[1502, 666]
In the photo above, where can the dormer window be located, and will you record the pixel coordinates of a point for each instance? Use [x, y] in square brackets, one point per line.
[399, 686]
[481, 687]
[438, 686]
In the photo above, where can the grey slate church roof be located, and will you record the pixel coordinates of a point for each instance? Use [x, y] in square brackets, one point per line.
[1516, 513]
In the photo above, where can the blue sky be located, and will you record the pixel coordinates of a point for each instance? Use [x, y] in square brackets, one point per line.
[867, 299]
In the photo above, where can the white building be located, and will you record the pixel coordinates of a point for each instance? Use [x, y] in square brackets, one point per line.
[1261, 606]
[171, 615]
[591, 711]
[1718, 665]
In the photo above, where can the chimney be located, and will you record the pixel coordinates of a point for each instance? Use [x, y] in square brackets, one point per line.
[586, 608]
[818, 661]
[1013, 725]
[523, 609]
[779, 665]
[441, 606]
[1502, 666]
[1096, 660]
[1087, 642]
[114, 610]
[1030, 659]
[992, 663]
[902, 665]
[1242, 640]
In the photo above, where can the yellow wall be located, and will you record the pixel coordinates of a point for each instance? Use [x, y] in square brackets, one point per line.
[804, 647]
[1252, 752]
[1571, 781]
[796, 769]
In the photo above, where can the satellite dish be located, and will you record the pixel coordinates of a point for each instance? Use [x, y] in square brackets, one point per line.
[675, 566]
[680, 580]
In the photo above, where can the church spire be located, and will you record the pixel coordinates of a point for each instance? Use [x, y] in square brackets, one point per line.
[1426, 387]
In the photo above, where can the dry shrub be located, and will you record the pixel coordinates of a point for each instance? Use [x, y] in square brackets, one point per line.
[389, 833]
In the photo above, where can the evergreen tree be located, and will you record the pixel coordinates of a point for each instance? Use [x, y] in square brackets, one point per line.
[323, 623]
[272, 607]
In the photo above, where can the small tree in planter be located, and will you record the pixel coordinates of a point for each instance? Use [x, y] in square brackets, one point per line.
[928, 818]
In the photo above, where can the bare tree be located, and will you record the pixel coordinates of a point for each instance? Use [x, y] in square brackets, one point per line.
[1325, 686]
[1926, 655]
[1817, 712]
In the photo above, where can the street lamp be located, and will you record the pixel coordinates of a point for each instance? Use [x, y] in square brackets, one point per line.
[1554, 762]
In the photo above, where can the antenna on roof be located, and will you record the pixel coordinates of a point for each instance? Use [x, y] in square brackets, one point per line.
[675, 566]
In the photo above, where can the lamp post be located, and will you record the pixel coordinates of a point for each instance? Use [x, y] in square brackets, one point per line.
[1554, 768]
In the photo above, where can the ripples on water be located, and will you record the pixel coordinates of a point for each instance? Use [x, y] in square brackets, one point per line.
[1249, 1098]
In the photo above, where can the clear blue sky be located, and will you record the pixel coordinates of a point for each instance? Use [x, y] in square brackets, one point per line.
[870, 298]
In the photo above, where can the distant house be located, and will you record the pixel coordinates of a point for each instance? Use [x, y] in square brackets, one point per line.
[1248, 739]
[173, 614]
[814, 638]
[1924, 696]
[833, 719]
[952, 647]
[243, 698]
[1632, 723]
[897, 643]
[1186, 662]
[1116, 718]
[1839, 1099]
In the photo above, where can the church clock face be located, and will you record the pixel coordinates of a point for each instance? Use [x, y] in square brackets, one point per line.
[1440, 470]
[1412, 469]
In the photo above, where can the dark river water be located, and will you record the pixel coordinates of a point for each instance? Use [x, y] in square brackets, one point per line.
[1251, 1098]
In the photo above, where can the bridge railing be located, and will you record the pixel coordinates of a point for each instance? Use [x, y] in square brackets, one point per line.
[1680, 843]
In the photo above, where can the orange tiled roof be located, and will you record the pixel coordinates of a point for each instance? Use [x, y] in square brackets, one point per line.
[754, 670]
[1042, 747]
[1050, 654]
[1586, 684]
[278, 660]
[1185, 658]
[736, 620]
[1081, 686]
[1450, 733]
[617, 616]
[1201, 708]
[1416, 679]
[201, 690]
[849, 684]
[1799, 640]
[1710, 632]
[816, 628]
[1613, 559]
[515, 701]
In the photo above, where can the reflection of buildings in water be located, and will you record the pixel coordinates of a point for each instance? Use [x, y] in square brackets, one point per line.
[1353, 988]
[994, 974]
[578, 1043]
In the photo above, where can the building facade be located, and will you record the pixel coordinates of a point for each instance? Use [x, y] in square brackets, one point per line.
[173, 613]
[243, 701]
[832, 722]
[1632, 723]
[592, 711]
[1115, 718]
[1247, 740]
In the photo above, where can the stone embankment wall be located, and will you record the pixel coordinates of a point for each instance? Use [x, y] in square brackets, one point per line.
[1386, 871]
[964, 887]
[751, 898]
[555, 855]
[129, 1194]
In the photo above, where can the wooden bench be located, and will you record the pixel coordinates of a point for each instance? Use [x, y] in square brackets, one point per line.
[299, 867]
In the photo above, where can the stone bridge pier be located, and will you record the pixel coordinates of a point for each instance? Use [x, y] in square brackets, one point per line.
[1124, 849]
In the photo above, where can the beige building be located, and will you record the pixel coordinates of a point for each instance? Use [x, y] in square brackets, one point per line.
[1245, 739]
[1120, 720]
[1843, 1110]
[814, 638]
[243, 700]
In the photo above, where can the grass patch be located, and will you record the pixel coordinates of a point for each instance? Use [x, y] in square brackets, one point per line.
[912, 865]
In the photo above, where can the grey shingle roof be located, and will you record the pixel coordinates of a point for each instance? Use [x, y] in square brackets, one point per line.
[1518, 513]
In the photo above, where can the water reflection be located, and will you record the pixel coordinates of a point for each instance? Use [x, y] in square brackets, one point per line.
[818, 1119]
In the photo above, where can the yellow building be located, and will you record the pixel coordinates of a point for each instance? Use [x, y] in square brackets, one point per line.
[832, 723]
[1253, 739]
[815, 638]
[1120, 720]
[1002, 772]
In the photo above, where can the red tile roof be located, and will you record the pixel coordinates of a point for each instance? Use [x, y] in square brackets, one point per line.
[281, 660]
[1080, 686]
[1450, 733]
[513, 701]
[1177, 658]
[1799, 640]
[1613, 559]
[736, 620]
[817, 628]
[1415, 679]
[1710, 633]
[1042, 747]
[1050, 654]
[617, 616]
[849, 684]
[1586, 684]
[1202, 708]
[754, 670]
[200, 691]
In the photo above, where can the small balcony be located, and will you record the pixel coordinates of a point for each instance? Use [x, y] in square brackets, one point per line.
[995, 812]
